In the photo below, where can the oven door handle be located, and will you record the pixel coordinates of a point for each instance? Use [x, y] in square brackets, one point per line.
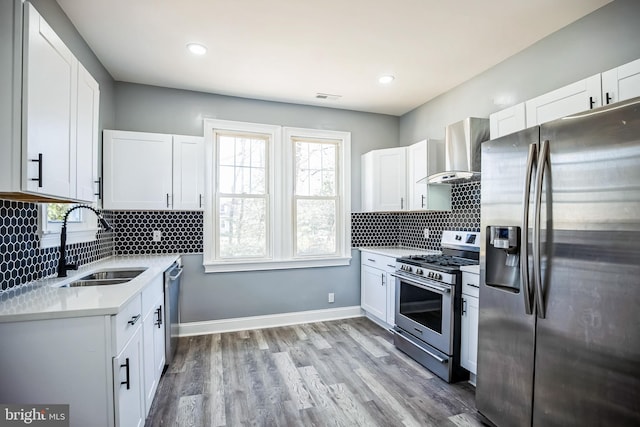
[439, 289]
[435, 356]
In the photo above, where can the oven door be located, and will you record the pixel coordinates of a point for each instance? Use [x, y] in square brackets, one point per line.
[424, 309]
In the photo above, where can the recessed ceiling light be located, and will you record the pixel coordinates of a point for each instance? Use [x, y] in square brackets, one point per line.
[197, 49]
[386, 79]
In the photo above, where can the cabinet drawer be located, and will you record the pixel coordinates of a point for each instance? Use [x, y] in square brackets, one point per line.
[125, 323]
[471, 284]
[382, 262]
[151, 294]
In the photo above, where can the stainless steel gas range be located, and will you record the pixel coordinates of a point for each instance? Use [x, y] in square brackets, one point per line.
[428, 304]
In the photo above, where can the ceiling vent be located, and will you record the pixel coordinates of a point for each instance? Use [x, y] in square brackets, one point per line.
[328, 96]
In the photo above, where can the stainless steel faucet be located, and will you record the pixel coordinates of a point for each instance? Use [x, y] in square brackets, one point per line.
[63, 267]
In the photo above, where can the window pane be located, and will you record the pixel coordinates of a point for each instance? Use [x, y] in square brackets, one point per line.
[315, 169]
[243, 227]
[315, 227]
[242, 164]
[57, 211]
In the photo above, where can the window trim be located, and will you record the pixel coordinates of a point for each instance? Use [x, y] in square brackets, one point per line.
[77, 232]
[281, 213]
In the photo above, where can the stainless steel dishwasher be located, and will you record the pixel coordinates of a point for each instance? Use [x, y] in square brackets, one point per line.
[172, 308]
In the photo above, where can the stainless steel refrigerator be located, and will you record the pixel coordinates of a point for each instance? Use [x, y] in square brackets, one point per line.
[559, 323]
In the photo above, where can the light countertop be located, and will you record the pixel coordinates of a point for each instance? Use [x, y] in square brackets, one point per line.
[398, 251]
[45, 299]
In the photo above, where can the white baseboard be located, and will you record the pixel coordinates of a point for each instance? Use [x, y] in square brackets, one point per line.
[267, 321]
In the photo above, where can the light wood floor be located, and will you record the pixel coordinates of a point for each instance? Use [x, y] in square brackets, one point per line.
[338, 373]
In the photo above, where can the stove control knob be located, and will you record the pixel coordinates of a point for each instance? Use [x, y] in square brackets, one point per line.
[439, 276]
[430, 274]
[418, 271]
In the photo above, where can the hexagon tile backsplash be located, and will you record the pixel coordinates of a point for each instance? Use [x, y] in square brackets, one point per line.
[22, 260]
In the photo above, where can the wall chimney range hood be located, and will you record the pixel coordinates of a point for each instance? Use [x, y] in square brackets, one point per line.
[462, 151]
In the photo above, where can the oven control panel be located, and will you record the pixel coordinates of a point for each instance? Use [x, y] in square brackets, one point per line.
[423, 272]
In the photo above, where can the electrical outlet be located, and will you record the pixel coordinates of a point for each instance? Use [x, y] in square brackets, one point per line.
[332, 297]
[425, 233]
[157, 235]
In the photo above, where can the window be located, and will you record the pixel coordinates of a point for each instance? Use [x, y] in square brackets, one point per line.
[315, 199]
[80, 227]
[242, 198]
[280, 197]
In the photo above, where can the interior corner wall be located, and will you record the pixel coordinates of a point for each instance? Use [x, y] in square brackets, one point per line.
[602, 40]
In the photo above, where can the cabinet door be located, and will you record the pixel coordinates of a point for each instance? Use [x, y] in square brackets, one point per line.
[621, 83]
[427, 158]
[469, 338]
[507, 121]
[128, 384]
[576, 97]
[87, 172]
[188, 172]
[374, 292]
[137, 170]
[384, 180]
[159, 339]
[49, 110]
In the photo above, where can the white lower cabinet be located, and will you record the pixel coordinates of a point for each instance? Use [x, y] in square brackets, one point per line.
[153, 338]
[377, 287]
[470, 311]
[103, 366]
[128, 384]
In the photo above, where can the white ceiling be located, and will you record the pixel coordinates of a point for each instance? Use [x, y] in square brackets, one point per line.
[289, 50]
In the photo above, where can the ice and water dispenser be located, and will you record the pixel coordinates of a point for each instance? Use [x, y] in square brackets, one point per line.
[503, 257]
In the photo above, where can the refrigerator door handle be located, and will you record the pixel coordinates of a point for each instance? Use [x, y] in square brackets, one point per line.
[524, 231]
[537, 269]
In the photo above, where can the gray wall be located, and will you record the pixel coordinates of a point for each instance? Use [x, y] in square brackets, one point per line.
[602, 40]
[255, 293]
[63, 27]
[229, 295]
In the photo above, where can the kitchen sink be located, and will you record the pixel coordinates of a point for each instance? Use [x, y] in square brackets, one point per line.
[114, 274]
[95, 282]
[106, 277]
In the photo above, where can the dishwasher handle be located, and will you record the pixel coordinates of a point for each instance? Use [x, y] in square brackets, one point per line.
[171, 275]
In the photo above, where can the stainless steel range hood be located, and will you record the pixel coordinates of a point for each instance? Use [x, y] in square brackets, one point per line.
[462, 151]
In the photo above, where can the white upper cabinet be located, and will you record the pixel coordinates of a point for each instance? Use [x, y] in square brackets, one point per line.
[621, 83]
[49, 108]
[507, 121]
[49, 111]
[426, 158]
[137, 170]
[188, 172]
[579, 96]
[152, 171]
[87, 173]
[384, 180]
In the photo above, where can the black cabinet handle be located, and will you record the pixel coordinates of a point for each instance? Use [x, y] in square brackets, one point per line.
[39, 178]
[127, 382]
[608, 98]
[592, 102]
[99, 193]
[167, 199]
[134, 319]
[159, 318]
[200, 198]
[422, 200]
[464, 306]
